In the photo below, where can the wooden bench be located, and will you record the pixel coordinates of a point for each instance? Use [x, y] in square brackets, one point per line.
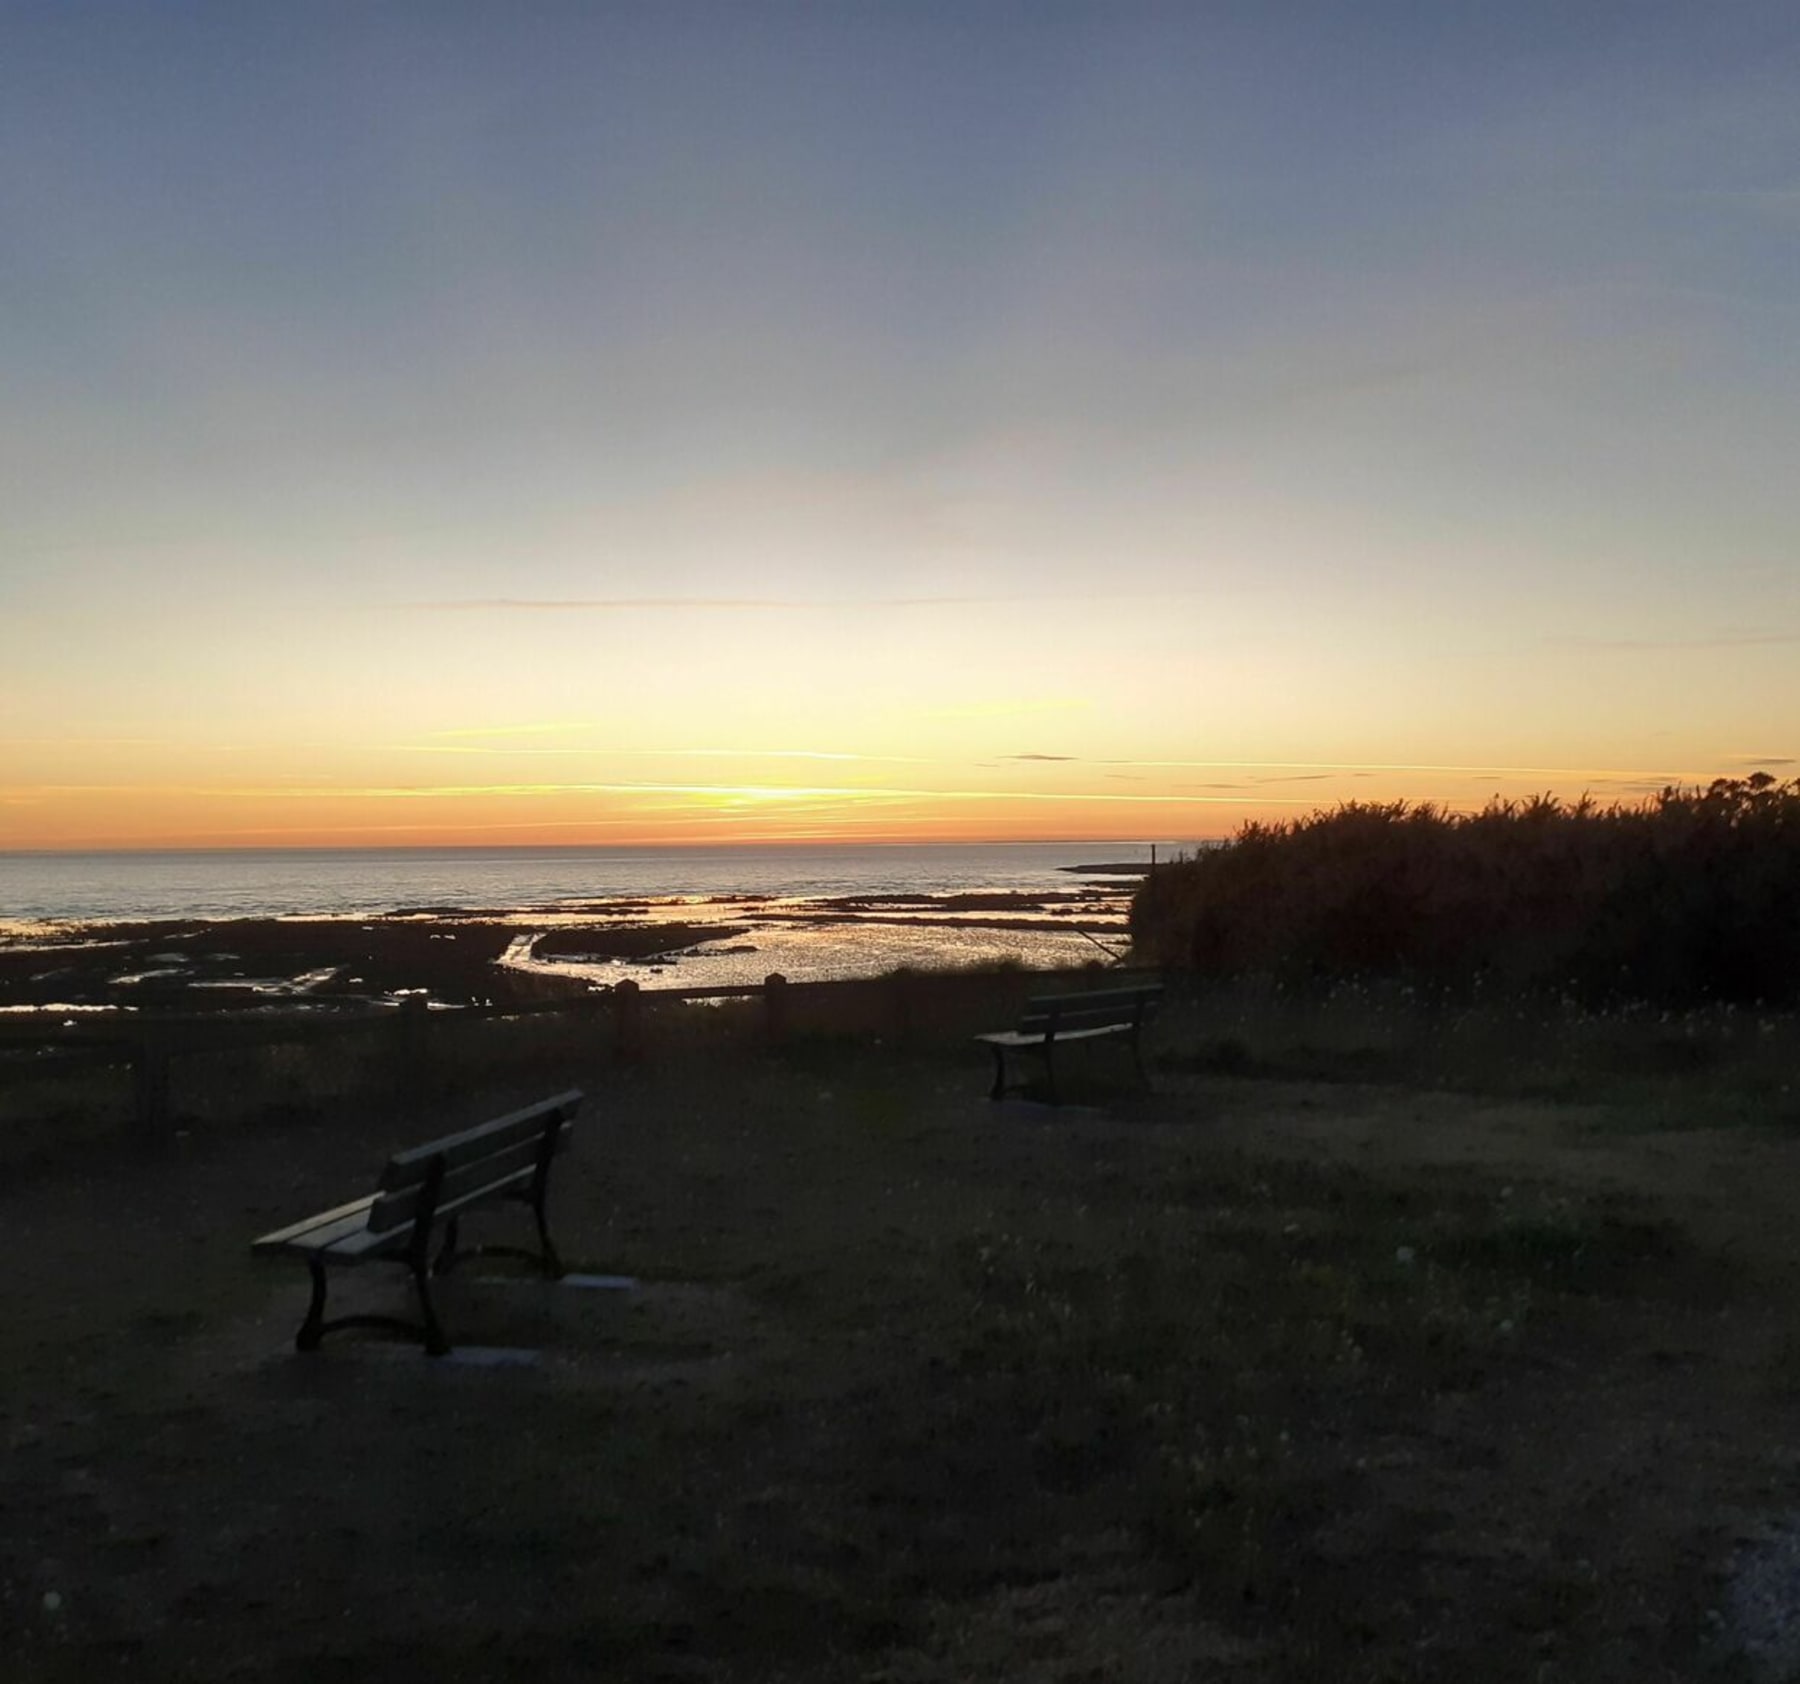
[1053, 1020]
[421, 1198]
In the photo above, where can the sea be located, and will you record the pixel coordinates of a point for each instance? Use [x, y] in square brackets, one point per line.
[795, 924]
[122, 887]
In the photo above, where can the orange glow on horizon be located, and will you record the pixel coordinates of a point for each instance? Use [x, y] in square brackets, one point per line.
[672, 814]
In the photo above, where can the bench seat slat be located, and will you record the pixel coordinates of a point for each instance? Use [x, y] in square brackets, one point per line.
[1064, 1023]
[459, 1148]
[348, 1240]
[472, 1180]
[358, 1244]
[398, 1177]
[1102, 1010]
[352, 1237]
[1115, 1006]
[1023, 1038]
[1099, 998]
[318, 1232]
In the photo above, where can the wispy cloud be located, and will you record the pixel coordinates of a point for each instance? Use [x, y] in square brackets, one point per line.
[1755, 760]
[712, 604]
[1360, 768]
[602, 751]
[777, 604]
[1048, 757]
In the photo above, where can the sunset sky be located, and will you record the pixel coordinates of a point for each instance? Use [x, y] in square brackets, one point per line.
[556, 423]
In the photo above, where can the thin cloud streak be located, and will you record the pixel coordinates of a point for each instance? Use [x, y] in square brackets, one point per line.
[583, 824]
[1359, 767]
[749, 792]
[600, 751]
[752, 604]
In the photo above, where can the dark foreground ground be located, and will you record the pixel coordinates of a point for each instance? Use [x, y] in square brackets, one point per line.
[1249, 1379]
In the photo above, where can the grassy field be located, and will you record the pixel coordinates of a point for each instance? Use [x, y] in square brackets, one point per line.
[1320, 1361]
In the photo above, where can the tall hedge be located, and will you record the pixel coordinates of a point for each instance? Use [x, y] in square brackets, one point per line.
[1691, 897]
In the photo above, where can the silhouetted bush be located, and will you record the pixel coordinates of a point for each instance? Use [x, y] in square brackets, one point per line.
[1691, 897]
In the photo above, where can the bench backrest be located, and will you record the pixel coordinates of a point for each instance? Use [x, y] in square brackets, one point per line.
[1102, 1008]
[476, 1163]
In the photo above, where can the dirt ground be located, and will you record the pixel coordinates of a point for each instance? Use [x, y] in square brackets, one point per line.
[1241, 1379]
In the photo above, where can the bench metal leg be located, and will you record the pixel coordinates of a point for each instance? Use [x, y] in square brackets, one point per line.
[1000, 1088]
[312, 1330]
[553, 1264]
[546, 1257]
[315, 1327]
[536, 1195]
[435, 1343]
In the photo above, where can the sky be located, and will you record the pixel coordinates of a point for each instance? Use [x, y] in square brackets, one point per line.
[658, 423]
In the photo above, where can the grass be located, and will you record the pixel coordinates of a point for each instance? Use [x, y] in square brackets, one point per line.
[917, 1390]
[1718, 1062]
[1182, 1388]
[1184, 1385]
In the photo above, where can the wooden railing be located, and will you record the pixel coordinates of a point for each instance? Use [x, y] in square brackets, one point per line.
[903, 1007]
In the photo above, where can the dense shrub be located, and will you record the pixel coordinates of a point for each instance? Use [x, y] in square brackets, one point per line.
[1691, 897]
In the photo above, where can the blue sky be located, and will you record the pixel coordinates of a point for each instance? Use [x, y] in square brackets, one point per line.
[460, 422]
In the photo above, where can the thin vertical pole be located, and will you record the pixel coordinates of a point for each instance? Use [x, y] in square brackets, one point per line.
[775, 1007]
[627, 1020]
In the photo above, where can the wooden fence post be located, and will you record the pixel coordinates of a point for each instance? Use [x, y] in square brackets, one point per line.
[775, 1008]
[628, 1021]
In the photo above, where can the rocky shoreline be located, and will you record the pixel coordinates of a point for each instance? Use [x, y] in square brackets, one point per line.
[467, 956]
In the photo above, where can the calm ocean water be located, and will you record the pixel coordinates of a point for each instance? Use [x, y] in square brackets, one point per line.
[118, 886]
